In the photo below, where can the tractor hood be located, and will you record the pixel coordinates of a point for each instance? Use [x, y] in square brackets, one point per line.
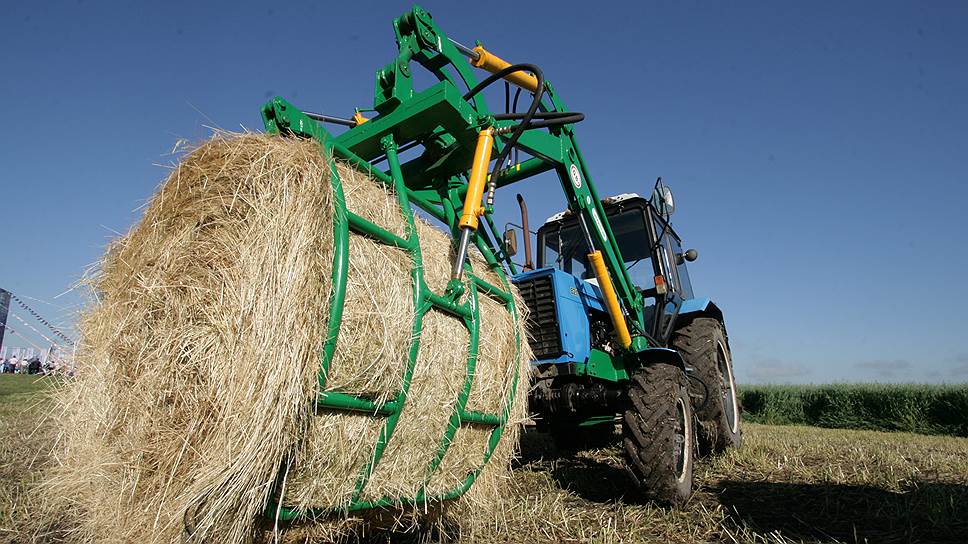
[559, 304]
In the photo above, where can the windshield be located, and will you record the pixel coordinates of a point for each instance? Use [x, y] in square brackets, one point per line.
[563, 246]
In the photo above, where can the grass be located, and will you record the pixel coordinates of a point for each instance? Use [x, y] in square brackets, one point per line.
[21, 384]
[787, 484]
[22, 441]
[927, 409]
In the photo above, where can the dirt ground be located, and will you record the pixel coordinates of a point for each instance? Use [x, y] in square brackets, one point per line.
[787, 484]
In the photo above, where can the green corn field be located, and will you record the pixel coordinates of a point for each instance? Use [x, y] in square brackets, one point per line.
[924, 409]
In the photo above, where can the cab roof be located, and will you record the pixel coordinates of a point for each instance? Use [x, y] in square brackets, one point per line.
[608, 200]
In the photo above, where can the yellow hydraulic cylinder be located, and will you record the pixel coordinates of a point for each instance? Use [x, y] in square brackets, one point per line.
[493, 64]
[478, 180]
[611, 300]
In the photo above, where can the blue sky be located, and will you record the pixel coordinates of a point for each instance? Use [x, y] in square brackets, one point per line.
[818, 151]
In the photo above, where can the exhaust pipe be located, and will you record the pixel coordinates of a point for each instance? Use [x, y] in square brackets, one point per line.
[528, 264]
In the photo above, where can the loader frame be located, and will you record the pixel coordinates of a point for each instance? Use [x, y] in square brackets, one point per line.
[446, 125]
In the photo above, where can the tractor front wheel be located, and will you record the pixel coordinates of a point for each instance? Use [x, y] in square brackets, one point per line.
[658, 433]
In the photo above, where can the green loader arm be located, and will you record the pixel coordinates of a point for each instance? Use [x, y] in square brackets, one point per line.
[447, 124]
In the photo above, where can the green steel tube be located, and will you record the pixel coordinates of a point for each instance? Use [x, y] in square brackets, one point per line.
[497, 236]
[342, 401]
[480, 418]
[418, 295]
[382, 176]
[493, 290]
[446, 305]
[517, 172]
[424, 298]
[367, 228]
[341, 236]
[459, 417]
[512, 392]
[474, 328]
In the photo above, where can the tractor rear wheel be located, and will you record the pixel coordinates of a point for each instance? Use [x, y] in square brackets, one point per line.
[702, 344]
[658, 433]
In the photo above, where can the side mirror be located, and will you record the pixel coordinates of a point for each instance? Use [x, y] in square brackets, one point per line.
[664, 202]
[511, 242]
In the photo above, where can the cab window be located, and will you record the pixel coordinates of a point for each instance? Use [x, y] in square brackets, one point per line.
[563, 246]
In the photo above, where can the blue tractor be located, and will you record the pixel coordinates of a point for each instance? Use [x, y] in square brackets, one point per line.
[676, 396]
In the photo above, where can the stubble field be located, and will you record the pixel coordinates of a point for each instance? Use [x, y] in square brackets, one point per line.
[787, 484]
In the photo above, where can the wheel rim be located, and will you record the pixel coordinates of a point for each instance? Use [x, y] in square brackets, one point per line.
[727, 387]
[683, 439]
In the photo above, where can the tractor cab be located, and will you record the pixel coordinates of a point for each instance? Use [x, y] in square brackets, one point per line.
[581, 375]
[650, 248]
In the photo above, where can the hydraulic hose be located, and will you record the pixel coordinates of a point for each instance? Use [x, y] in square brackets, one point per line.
[514, 109]
[545, 118]
[520, 127]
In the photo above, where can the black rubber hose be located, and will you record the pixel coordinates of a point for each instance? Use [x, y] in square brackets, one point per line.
[503, 72]
[514, 109]
[575, 118]
[537, 115]
[507, 97]
[546, 119]
[518, 130]
[525, 120]
[507, 106]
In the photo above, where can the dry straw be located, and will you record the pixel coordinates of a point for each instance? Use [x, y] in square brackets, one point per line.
[199, 361]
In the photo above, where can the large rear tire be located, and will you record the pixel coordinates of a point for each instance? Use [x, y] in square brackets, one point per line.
[658, 433]
[702, 344]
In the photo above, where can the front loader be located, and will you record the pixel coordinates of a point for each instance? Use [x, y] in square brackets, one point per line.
[611, 343]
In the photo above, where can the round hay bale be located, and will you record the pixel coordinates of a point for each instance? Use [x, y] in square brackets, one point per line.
[194, 408]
